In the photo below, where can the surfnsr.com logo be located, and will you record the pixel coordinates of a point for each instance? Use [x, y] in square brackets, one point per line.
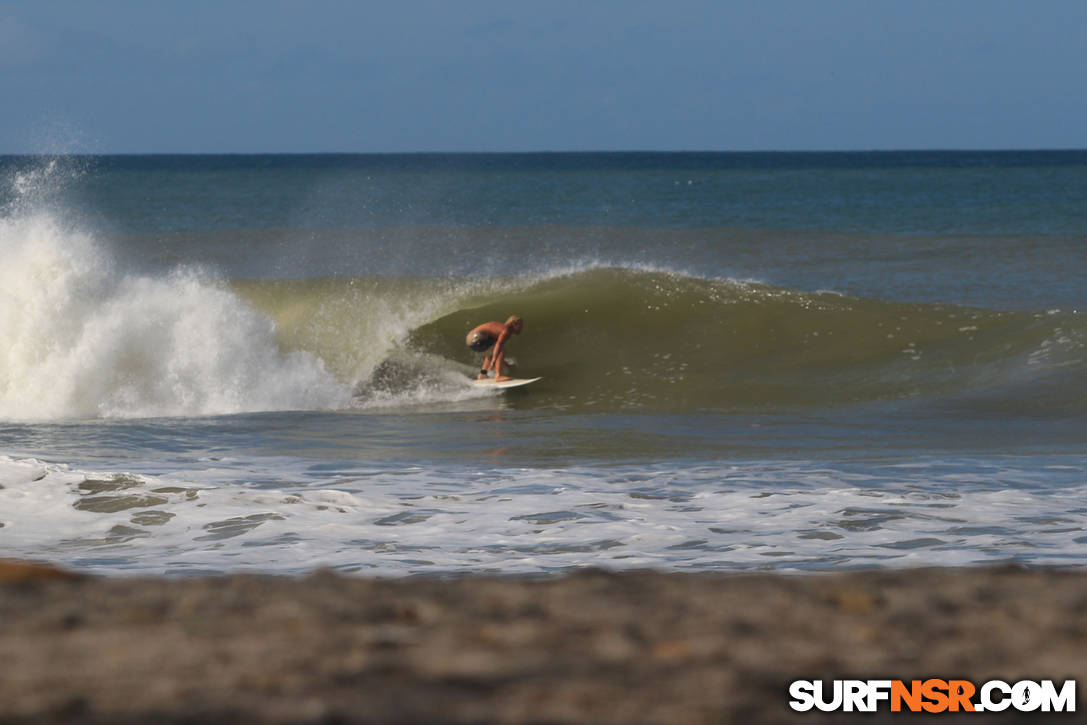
[932, 695]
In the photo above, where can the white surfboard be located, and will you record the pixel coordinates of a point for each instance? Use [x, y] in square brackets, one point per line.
[511, 383]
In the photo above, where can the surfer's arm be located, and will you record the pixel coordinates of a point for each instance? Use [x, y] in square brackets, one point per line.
[498, 355]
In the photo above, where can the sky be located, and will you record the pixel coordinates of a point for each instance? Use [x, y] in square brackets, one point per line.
[234, 76]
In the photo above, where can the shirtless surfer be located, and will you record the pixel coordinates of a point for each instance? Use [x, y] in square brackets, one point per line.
[494, 334]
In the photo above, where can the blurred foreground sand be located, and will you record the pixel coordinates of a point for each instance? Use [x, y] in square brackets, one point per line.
[589, 647]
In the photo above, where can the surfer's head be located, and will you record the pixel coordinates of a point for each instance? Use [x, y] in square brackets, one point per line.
[516, 324]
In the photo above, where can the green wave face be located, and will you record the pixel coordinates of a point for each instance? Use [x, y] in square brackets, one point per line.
[614, 338]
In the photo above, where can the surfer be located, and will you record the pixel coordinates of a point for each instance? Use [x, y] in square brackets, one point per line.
[494, 334]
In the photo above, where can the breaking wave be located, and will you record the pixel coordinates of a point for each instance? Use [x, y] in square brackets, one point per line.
[613, 338]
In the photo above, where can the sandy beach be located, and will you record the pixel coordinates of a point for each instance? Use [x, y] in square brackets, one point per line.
[589, 647]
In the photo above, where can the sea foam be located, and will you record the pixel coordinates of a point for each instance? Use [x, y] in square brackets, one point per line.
[287, 516]
[84, 338]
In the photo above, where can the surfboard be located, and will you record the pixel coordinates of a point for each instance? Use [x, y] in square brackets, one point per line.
[511, 383]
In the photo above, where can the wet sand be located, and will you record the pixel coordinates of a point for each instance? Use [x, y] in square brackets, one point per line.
[590, 647]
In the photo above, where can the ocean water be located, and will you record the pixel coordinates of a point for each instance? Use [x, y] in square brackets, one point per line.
[750, 361]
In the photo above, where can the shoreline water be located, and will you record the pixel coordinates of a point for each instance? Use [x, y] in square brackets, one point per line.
[587, 647]
[327, 501]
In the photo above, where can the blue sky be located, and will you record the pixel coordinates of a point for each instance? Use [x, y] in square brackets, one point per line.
[121, 76]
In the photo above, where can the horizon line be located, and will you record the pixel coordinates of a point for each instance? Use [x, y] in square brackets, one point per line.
[548, 152]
